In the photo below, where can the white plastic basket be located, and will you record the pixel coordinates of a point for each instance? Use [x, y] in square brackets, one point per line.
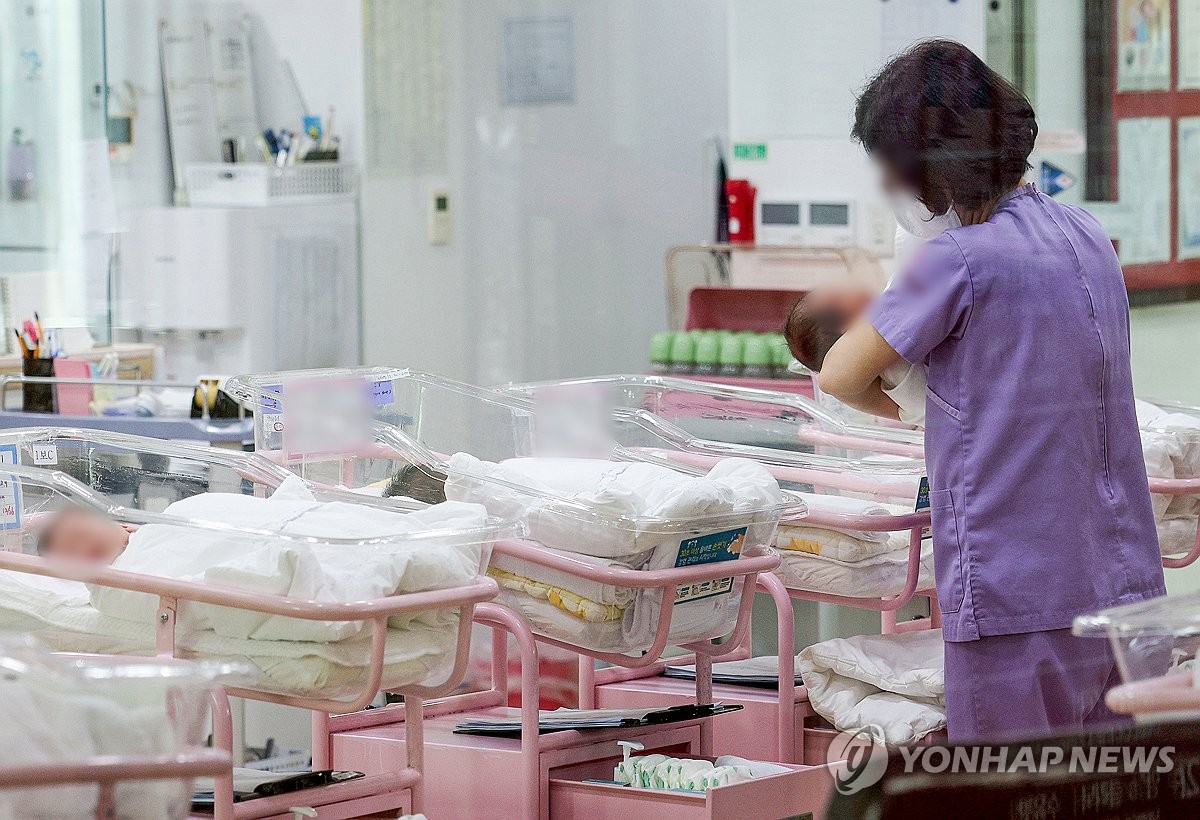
[255, 184]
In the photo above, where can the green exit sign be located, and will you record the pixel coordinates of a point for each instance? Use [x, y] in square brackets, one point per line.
[749, 150]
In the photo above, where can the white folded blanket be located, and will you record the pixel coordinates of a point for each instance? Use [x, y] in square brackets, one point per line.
[318, 571]
[59, 614]
[878, 577]
[894, 682]
[596, 591]
[838, 543]
[1171, 446]
[615, 509]
[1177, 535]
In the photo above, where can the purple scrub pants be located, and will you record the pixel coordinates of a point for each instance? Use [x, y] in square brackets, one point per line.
[1026, 685]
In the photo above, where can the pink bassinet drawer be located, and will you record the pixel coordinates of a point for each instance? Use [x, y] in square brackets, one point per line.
[804, 792]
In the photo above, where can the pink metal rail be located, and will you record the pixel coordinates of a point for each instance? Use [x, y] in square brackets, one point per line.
[375, 613]
[1171, 693]
[812, 434]
[105, 771]
[504, 621]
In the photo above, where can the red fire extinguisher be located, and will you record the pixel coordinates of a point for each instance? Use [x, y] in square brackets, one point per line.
[740, 194]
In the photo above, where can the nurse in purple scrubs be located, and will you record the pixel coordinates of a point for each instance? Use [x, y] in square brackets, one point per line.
[1017, 306]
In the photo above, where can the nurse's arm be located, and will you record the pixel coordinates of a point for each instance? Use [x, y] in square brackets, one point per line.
[851, 370]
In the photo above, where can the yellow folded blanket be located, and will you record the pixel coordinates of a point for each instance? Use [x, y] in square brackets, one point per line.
[583, 608]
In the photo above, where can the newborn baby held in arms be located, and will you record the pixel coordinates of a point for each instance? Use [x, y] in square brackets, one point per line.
[818, 320]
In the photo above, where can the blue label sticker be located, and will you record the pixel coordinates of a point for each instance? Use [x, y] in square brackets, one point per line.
[271, 404]
[709, 549]
[382, 392]
[10, 490]
[1054, 179]
[923, 504]
[922, 494]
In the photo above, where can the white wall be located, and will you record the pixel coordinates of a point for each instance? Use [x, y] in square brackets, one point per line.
[564, 212]
[795, 68]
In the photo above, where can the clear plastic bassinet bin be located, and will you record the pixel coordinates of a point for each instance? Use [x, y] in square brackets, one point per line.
[774, 420]
[63, 711]
[856, 541]
[123, 545]
[565, 473]
[1150, 638]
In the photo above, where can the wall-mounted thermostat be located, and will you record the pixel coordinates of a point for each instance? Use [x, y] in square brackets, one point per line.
[440, 220]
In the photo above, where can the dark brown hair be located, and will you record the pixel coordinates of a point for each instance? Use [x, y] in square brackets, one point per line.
[811, 333]
[949, 126]
[426, 485]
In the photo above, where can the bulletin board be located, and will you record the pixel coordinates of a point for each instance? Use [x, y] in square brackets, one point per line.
[1143, 107]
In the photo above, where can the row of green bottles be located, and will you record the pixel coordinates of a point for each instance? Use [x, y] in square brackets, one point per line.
[720, 353]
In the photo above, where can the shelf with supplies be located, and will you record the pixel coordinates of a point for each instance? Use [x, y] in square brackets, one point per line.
[136, 359]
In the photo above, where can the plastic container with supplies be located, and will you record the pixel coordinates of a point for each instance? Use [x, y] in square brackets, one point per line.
[259, 184]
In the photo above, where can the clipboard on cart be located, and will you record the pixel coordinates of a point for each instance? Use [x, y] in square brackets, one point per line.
[562, 720]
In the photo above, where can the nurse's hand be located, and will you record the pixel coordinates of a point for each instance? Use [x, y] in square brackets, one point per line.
[851, 370]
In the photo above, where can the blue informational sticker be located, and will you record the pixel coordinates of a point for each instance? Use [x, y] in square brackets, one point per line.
[10, 491]
[382, 392]
[923, 504]
[270, 403]
[922, 494]
[1054, 179]
[709, 549]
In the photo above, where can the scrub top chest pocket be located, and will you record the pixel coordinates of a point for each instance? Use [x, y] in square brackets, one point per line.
[947, 551]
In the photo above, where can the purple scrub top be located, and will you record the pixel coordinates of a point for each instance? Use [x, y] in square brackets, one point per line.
[1040, 505]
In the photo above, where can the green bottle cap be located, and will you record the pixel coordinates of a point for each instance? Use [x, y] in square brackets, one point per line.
[708, 349]
[731, 350]
[683, 348]
[660, 347]
[757, 351]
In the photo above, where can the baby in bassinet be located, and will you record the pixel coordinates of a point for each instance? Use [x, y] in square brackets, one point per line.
[78, 534]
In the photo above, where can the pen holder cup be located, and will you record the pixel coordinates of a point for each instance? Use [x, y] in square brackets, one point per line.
[37, 398]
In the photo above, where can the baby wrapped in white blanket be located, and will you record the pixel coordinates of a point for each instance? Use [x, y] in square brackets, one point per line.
[299, 566]
[629, 515]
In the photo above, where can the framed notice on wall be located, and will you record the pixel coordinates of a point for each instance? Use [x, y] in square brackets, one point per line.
[1188, 187]
[1189, 45]
[1142, 78]
[1144, 45]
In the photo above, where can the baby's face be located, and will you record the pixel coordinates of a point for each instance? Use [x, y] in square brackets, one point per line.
[86, 537]
[846, 301]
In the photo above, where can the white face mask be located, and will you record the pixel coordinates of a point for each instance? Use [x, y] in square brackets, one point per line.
[912, 215]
